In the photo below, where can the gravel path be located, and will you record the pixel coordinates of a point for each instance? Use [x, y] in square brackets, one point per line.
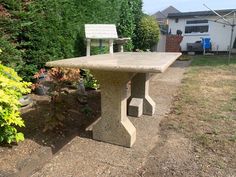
[87, 158]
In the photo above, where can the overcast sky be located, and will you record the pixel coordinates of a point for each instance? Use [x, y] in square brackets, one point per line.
[152, 6]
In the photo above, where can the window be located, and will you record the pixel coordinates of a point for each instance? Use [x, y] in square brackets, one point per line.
[196, 26]
[176, 20]
[196, 29]
[196, 21]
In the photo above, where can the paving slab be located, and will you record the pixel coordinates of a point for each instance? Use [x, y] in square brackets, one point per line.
[86, 157]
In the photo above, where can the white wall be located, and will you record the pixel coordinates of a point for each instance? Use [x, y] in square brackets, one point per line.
[161, 45]
[219, 33]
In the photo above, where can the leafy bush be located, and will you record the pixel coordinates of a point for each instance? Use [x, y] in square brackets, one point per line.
[126, 24]
[11, 90]
[39, 31]
[148, 33]
[97, 50]
[34, 32]
[138, 14]
[10, 55]
[59, 78]
[88, 79]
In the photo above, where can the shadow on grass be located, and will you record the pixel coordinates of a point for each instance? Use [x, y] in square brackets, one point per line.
[216, 60]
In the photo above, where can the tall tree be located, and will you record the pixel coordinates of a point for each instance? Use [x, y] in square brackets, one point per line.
[126, 23]
[138, 14]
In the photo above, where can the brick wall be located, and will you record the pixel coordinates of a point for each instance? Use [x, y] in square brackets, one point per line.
[173, 43]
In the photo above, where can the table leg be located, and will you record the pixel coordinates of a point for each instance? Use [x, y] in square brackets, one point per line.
[114, 126]
[140, 94]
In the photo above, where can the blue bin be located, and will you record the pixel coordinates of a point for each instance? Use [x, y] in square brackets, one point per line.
[206, 43]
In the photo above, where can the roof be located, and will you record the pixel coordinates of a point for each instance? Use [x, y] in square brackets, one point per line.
[159, 15]
[100, 31]
[164, 13]
[169, 10]
[199, 13]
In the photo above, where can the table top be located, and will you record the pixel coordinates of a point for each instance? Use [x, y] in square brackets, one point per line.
[127, 62]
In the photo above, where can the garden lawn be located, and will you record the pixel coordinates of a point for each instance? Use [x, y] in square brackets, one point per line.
[198, 138]
[206, 106]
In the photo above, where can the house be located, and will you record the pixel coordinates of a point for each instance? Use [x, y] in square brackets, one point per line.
[161, 16]
[202, 24]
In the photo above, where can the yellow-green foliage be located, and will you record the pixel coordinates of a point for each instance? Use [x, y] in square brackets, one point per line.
[11, 89]
[148, 33]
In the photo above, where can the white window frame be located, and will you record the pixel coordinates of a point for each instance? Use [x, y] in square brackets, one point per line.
[197, 24]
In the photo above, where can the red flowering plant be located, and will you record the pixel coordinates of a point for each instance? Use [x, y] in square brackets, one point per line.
[59, 77]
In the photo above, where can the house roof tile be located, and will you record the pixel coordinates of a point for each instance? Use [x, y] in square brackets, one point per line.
[199, 13]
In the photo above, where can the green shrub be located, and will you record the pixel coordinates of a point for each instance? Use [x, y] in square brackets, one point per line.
[10, 55]
[148, 33]
[126, 24]
[11, 90]
[43, 30]
[97, 50]
[89, 81]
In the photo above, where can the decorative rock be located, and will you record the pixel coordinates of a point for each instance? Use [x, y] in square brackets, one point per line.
[25, 100]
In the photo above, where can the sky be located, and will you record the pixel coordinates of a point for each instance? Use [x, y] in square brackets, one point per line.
[152, 6]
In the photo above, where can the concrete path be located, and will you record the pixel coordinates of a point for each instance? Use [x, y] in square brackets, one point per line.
[84, 157]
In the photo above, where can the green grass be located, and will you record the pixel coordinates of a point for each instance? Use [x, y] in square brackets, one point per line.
[205, 108]
[218, 60]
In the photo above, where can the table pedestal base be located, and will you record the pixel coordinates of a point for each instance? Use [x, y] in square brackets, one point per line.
[140, 93]
[114, 126]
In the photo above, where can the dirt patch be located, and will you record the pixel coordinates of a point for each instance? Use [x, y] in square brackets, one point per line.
[79, 116]
[4, 12]
[198, 138]
[171, 157]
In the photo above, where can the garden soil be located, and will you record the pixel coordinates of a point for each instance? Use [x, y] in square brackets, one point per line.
[69, 151]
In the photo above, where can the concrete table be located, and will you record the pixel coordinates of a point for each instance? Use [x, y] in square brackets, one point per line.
[113, 72]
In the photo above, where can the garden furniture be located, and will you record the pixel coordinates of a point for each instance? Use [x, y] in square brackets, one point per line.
[114, 71]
